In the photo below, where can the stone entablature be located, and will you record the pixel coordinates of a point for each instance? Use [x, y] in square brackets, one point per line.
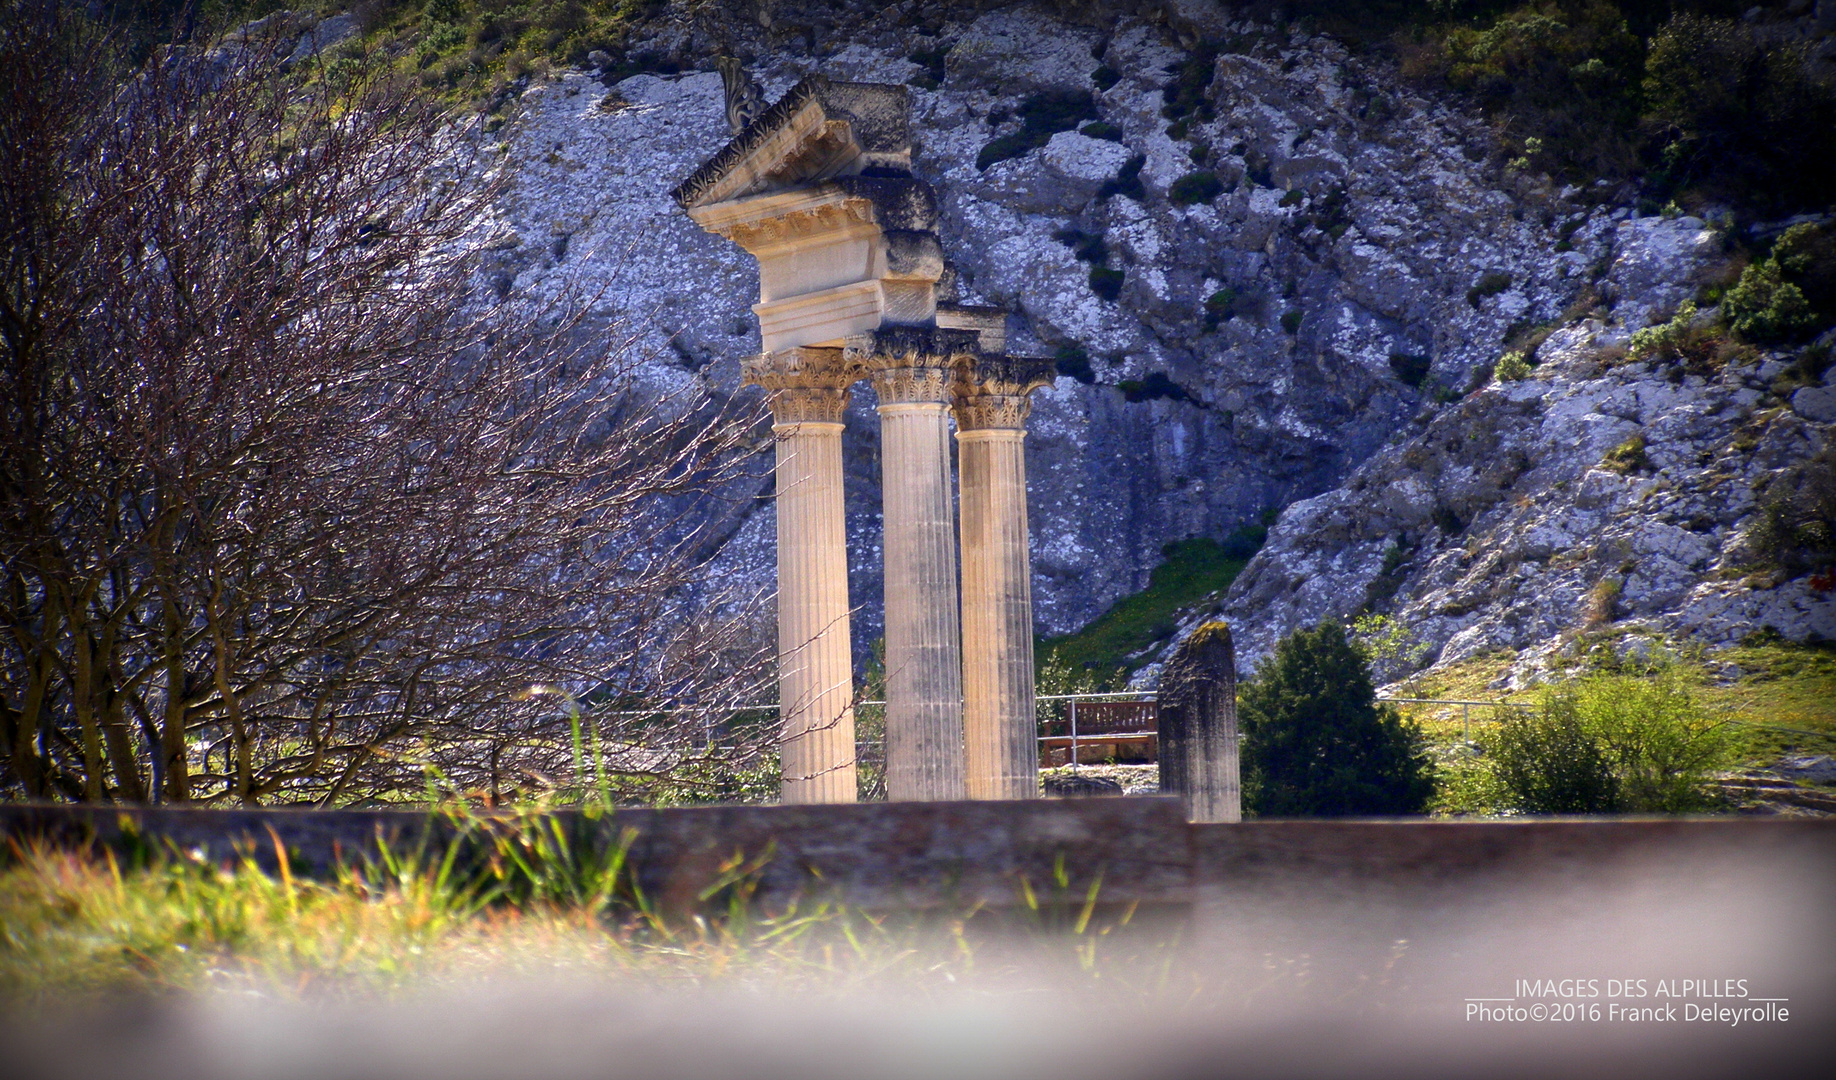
[836, 257]
[820, 129]
[819, 189]
[988, 323]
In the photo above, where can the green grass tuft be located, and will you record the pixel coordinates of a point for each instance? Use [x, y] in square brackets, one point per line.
[1194, 188]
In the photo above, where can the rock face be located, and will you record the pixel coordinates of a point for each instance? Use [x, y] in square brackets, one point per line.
[1363, 254]
[1595, 492]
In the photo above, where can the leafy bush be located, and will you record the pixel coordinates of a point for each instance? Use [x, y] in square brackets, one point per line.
[1738, 116]
[1316, 742]
[1105, 77]
[1770, 302]
[1806, 253]
[1662, 744]
[1224, 305]
[1041, 116]
[1293, 198]
[1700, 343]
[1290, 321]
[1563, 74]
[1183, 97]
[1195, 187]
[1057, 674]
[1549, 763]
[1388, 643]
[1101, 130]
[1765, 307]
[1662, 339]
[1706, 107]
[1003, 147]
[1105, 282]
[1512, 367]
[1611, 743]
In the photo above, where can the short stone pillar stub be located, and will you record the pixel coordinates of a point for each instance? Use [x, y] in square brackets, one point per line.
[1198, 726]
[924, 679]
[1000, 724]
[809, 391]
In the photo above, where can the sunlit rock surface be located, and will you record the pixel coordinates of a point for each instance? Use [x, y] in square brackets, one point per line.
[1378, 221]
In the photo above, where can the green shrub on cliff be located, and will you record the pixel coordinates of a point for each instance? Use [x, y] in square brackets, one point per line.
[1684, 96]
[1195, 187]
[1789, 294]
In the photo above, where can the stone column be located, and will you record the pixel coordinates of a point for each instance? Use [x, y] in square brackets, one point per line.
[809, 390]
[1000, 726]
[924, 673]
[1198, 726]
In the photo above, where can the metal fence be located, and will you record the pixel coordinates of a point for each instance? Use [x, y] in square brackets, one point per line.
[1466, 709]
[1074, 736]
[1051, 708]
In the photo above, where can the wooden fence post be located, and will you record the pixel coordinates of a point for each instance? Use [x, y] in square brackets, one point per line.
[1197, 724]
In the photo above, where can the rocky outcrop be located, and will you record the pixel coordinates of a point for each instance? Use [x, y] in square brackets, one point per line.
[1361, 252]
[1596, 494]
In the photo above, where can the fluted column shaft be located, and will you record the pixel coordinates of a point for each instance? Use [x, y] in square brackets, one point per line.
[815, 664]
[924, 688]
[1000, 737]
[1000, 726]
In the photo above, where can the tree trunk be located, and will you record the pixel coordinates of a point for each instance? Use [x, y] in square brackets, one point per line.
[172, 731]
[1197, 724]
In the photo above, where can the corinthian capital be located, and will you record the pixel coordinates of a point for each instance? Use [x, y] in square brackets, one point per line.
[806, 385]
[906, 385]
[913, 363]
[993, 392]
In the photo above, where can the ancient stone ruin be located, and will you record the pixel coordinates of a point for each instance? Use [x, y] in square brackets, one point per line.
[818, 187]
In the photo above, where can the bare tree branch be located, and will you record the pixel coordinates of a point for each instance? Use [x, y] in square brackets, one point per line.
[292, 508]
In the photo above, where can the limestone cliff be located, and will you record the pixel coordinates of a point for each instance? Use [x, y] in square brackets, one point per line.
[1595, 493]
[1293, 302]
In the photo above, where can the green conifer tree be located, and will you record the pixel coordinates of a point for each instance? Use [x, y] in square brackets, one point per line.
[1316, 742]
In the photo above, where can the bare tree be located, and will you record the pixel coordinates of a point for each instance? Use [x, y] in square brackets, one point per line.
[286, 510]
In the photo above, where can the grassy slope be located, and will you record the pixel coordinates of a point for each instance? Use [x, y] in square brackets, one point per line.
[1780, 685]
[1118, 641]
